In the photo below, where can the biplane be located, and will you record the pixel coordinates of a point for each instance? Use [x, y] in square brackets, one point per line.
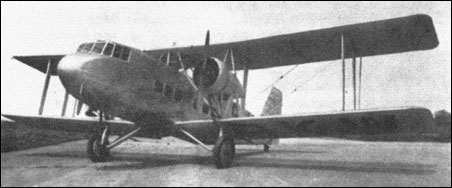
[194, 93]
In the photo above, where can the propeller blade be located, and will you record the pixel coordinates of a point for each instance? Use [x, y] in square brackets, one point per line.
[201, 97]
[203, 68]
[206, 51]
[207, 38]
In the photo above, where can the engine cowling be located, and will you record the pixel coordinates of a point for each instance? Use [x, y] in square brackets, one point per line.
[216, 78]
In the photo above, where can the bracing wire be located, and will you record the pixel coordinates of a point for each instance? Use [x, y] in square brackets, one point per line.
[310, 78]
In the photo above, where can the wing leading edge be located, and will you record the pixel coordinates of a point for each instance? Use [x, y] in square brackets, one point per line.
[349, 124]
[82, 125]
[389, 36]
[410, 120]
[40, 62]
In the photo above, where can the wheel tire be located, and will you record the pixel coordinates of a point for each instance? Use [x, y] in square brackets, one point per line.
[97, 152]
[224, 152]
[266, 148]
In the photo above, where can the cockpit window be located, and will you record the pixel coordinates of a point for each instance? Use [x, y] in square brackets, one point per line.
[81, 47]
[125, 54]
[117, 52]
[109, 49]
[106, 48]
[85, 47]
[98, 47]
[88, 47]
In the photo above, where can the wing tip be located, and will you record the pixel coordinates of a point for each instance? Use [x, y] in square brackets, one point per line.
[426, 21]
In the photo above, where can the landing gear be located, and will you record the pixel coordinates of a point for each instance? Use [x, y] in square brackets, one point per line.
[266, 148]
[224, 152]
[97, 144]
[97, 148]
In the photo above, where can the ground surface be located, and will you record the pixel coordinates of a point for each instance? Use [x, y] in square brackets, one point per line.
[294, 162]
[17, 137]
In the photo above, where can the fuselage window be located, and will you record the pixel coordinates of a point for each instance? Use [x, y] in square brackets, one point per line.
[168, 91]
[117, 52]
[178, 95]
[98, 47]
[125, 54]
[158, 87]
[109, 49]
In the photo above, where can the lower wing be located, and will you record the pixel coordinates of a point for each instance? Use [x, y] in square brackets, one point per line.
[84, 125]
[344, 124]
[375, 122]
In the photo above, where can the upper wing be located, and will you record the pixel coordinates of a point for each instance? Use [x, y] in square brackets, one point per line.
[410, 120]
[366, 39]
[40, 62]
[84, 125]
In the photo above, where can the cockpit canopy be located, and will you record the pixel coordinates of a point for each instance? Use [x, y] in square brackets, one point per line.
[111, 49]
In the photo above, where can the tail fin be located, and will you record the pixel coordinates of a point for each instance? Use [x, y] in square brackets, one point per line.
[273, 105]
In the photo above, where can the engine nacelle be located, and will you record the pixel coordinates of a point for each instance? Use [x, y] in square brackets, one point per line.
[217, 78]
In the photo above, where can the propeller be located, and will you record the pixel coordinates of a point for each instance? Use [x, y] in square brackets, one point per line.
[206, 72]
[206, 56]
[201, 88]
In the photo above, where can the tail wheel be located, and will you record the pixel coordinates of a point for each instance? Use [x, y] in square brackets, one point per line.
[224, 152]
[98, 152]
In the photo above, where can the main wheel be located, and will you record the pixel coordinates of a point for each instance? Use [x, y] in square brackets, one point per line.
[224, 152]
[266, 148]
[98, 152]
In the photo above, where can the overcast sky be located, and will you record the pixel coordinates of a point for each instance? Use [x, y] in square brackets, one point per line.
[421, 78]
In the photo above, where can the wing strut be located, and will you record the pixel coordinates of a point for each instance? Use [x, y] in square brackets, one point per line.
[359, 79]
[66, 97]
[343, 70]
[356, 99]
[46, 87]
[245, 85]
[354, 79]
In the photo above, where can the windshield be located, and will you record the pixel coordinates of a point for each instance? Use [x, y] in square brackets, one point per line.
[85, 47]
[108, 49]
[98, 47]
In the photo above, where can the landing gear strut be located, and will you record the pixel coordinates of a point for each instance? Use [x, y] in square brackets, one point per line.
[223, 151]
[99, 146]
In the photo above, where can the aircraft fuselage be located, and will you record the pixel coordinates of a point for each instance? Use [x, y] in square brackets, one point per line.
[139, 88]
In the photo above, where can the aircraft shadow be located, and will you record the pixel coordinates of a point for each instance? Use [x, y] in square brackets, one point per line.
[147, 161]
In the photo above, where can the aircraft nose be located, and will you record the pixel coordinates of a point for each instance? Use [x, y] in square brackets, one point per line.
[70, 71]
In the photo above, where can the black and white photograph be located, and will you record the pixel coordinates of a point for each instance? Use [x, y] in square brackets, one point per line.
[226, 94]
